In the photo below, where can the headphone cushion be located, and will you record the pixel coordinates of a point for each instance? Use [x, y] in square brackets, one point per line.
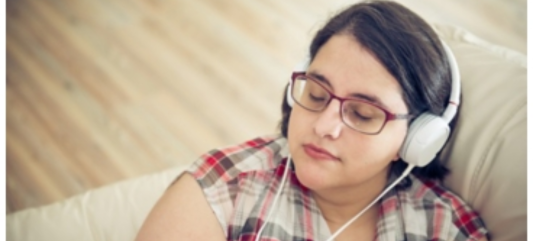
[425, 138]
[290, 100]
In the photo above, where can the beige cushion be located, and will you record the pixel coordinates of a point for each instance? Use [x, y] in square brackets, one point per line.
[487, 153]
[487, 157]
[114, 212]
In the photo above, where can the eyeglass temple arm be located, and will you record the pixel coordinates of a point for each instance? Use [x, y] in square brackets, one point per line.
[403, 116]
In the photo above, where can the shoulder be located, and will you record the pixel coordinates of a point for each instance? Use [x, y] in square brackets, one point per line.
[446, 214]
[227, 163]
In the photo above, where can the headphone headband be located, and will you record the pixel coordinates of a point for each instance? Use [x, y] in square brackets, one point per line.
[455, 95]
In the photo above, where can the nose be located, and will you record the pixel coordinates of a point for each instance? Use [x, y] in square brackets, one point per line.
[329, 123]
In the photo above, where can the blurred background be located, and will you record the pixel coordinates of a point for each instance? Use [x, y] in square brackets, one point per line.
[104, 90]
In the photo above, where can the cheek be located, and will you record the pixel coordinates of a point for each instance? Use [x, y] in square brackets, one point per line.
[383, 147]
[299, 123]
[299, 129]
[393, 140]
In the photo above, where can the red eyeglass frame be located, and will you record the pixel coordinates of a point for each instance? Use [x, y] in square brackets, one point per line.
[388, 115]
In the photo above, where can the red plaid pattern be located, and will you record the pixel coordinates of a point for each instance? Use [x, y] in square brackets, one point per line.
[240, 183]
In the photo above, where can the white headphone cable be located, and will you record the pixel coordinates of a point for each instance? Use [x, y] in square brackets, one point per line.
[404, 174]
[278, 194]
[282, 183]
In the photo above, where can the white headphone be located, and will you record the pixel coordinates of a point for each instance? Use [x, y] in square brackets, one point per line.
[428, 133]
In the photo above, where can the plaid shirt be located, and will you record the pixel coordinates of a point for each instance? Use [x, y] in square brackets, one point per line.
[240, 183]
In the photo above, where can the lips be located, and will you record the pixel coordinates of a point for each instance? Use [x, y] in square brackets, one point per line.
[319, 153]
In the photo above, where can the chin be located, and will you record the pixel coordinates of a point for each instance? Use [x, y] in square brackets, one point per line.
[311, 176]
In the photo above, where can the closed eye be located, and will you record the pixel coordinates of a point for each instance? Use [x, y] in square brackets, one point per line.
[359, 116]
[317, 98]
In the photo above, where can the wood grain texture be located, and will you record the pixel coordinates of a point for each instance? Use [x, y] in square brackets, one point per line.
[99, 91]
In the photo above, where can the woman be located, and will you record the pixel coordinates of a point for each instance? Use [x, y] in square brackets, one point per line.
[373, 68]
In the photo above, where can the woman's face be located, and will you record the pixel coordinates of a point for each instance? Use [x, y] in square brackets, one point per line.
[328, 154]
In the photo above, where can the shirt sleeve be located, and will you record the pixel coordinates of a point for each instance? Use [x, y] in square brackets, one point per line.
[218, 171]
[210, 173]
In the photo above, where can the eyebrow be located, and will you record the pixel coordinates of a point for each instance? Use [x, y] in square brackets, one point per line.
[370, 98]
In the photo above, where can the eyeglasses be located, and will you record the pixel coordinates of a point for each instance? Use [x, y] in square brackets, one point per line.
[360, 115]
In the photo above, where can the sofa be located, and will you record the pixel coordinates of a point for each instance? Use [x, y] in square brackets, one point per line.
[486, 154]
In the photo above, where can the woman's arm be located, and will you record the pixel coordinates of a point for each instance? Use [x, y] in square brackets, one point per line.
[182, 213]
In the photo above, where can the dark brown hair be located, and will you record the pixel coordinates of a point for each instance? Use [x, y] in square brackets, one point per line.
[409, 49]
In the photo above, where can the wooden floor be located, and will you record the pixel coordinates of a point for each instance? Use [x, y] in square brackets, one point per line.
[99, 90]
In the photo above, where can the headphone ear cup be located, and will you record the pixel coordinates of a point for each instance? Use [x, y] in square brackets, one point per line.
[290, 100]
[425, 138]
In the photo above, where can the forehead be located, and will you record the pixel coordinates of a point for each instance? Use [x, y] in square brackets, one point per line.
[350, 69]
